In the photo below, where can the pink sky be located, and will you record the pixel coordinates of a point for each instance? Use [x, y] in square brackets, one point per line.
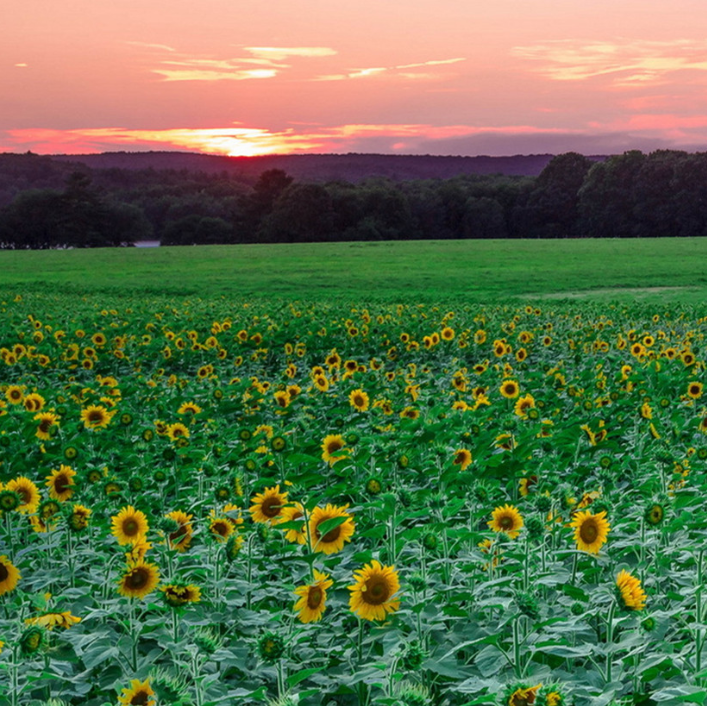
[415, 76]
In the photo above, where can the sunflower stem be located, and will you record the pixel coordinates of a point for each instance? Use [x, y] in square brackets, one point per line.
[610, 641]
[699, 637]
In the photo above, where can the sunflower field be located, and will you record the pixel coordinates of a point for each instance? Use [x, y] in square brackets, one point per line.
[237, 502]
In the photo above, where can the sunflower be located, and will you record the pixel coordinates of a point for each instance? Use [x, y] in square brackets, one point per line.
[267, 506]
[590, 531]
[312, 598]
[34, 402]
[14, 394]
[654, 514]
[694, 390]
[78, 519]
[61, 483]
[96, 417]
[139, 692]
[46, 420]
[180, 538]
[177, 431]
[523, 405]
[523, 696]
[52, 620]
[189, 408]
[632, 595]
[9, 575]
[372, 594]
[138, 580]
[129, 525]
[176, 595]
[359, 400]
[506, 519]
[292, 513]
[333, 540]
[28, 491]
[221, 527]
[509, 389]
[331, 444]
[462, 458]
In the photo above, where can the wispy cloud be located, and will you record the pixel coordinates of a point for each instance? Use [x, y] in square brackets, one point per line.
[183, 67]
[280, 53]
[397, 71]
[625, 63]
[150, 45]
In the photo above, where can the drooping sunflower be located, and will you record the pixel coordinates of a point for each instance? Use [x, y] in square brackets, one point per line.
[462, 458]
[590, 531]
[506, 519]
[28, 491]
[312, 598]
[96, 417]
[292, 513]
[140, 692]
[359, 400]
[46, 420]
[267, 506]
[176, 595]
[61, 483]
[78, 519]
[138, 580]
[129, 525]
[372, 596]
[180, 538]
[523, 696]
[332, 444]
[53, 620]
[632, 594]
[9, 575]
[333, 540]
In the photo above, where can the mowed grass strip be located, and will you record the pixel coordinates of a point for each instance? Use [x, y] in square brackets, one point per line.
[667, 269]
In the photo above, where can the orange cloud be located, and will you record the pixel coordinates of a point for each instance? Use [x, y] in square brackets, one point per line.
[238, 141]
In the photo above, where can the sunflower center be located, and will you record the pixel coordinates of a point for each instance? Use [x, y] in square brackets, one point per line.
[332, 535]
[95, 416]
[270, 507]
[315, 597]
[334, 446]
[220, 528]
[24, 494]
[377, 591]
[44, 425]
[505, 522]
[589, 531]
[137, 579]
[142, 697]
[130, 527]
[61, 484]
[4, 573]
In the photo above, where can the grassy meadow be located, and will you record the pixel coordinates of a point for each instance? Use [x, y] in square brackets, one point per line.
[391, 474]
[476, 270]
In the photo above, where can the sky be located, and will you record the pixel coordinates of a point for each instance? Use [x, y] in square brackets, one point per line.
[447, 77]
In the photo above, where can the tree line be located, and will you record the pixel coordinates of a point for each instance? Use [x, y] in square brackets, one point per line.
[661, 194]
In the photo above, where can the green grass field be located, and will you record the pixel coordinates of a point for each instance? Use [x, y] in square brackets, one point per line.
[668, 269]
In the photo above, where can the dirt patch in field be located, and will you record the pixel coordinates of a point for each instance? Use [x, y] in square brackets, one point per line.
[609, 291]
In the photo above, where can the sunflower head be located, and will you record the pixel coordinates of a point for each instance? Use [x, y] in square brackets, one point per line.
[506, 519]
[373, 593]
[139, 579]
[268, 505]
[129, 525]
[631, 593]
[312, 598]
[330, 528]
[590, 530]
[9, 575]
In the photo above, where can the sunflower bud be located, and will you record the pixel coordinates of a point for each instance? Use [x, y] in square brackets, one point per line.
[271, 647]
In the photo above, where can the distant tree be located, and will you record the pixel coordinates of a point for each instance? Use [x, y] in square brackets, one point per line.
[197, 230]
[484, 218]
[302, 213]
